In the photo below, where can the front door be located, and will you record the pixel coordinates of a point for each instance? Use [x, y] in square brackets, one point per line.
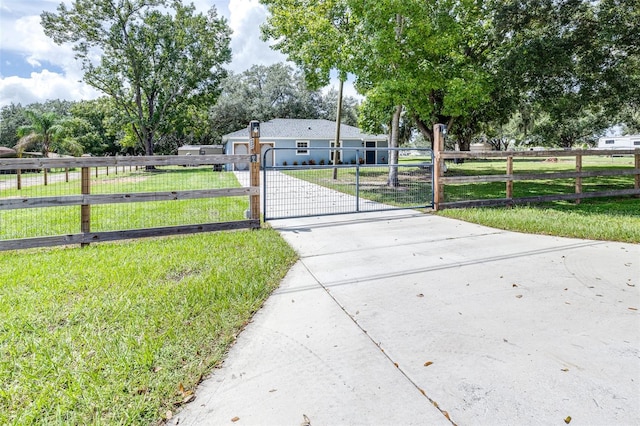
[370, 155]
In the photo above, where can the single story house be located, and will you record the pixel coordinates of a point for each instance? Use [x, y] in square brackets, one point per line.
[619, 142]
[298, 141]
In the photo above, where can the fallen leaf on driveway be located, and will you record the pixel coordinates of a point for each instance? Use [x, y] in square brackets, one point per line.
[519, 296]
[567, 420]
[420, 295]
[235, 419]
[633, 309]
[428, 363]
[306, 421]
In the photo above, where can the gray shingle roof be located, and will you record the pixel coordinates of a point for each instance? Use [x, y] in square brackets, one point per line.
[280, 128]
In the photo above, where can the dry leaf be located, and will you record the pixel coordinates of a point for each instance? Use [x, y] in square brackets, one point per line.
[567, 420]
[564, 369]
[519, 296]
[306, 421]
[435, 404]
[235, 419]
[514, 285]
[422, 391]
[168, 415]
[188, 398]
[420, 295]
[272, 390]
[396, 364]
[428, 363]
[181, 388]
[446, 415]
[633, 309]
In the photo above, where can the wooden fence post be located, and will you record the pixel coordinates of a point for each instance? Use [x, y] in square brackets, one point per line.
[85, 209]
[510, 176]
[66, 174]
[438, 166]
[19, 179]
[578, 178]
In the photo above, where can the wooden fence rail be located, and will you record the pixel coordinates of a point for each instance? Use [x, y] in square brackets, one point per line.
[85, 199]
[441, 180]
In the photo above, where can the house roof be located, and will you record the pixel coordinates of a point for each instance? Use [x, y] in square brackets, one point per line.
[295, 128]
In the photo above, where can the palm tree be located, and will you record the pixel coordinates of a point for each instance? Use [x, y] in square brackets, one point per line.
[43, 131]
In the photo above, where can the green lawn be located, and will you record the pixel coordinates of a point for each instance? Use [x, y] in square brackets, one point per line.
[121, 333]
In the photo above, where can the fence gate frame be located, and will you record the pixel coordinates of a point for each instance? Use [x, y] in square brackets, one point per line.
[360, 204]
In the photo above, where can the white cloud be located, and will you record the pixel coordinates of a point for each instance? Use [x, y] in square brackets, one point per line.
[245, 18]
[23, 34]
[42, 86]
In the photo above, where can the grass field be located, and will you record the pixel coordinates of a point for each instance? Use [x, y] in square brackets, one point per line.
[122, 333]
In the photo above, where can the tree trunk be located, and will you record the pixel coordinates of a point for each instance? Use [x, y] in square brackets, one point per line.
[393, 143]
[338, 123]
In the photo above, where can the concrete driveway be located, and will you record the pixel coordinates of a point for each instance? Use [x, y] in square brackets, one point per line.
[400, 318]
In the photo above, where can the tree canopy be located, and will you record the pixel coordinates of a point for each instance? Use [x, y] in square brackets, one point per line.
[157, 57]
[572, 65]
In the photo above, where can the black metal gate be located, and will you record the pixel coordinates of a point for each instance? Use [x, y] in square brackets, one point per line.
[303, 181]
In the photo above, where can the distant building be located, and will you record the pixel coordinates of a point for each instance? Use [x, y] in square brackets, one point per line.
[619, 142]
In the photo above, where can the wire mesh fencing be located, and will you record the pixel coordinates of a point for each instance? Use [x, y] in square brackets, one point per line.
[111, 201]
[324, 189]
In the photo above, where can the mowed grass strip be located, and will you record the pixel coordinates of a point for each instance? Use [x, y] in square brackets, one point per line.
[120, 333]
[594, 219]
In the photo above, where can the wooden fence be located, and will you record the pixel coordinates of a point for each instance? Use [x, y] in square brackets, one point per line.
[85, 199]
[441, 179]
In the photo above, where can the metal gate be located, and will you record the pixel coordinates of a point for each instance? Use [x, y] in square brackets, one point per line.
[303, 181]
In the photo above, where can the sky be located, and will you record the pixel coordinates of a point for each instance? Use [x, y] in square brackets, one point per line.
[33, 68]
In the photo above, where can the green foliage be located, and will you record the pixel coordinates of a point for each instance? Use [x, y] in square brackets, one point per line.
[158, 57]
[275, 91]
[303, 29]
[42, 133]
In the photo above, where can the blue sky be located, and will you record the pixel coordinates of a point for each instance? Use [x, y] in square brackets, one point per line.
[34, 69]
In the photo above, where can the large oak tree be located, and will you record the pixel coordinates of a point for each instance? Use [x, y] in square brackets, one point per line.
[155, 58]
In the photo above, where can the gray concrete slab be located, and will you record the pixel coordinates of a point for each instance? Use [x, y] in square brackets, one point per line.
[401, 318]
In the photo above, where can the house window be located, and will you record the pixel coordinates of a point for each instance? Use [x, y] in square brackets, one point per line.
[302, 147]
[610, 142]
[636, 143]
